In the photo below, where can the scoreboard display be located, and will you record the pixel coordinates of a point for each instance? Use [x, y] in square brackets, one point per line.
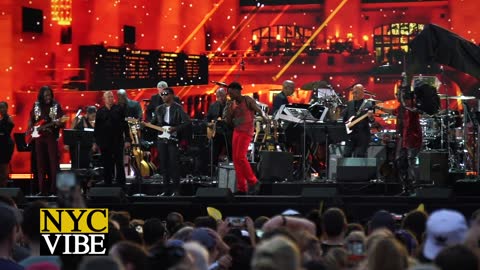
[120, 67]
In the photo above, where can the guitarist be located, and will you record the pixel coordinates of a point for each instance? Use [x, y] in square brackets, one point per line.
[359, 139]
[223, 133]
[170, 114]
[46, 146]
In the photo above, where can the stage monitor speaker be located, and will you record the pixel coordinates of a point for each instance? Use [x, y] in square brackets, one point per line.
[319, 192]
[356, 169]
[434, 167]
[106, 195]
[226, 177]
[15, 193]
[433, 193]
[224, 194]
[275, 166]
[379, 152]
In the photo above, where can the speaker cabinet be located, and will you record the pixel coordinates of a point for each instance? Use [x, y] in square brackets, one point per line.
[214, 193]
[226, 177]
[356, 169]
[319, 192]
[106, 195]
[433, 193]
[275, 166]
[15, 193]
[379, 152]
[433, 166]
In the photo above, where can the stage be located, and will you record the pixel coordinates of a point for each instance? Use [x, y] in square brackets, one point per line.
[359, 199]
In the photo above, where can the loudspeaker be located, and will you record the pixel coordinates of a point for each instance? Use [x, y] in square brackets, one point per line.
[15, 193]
[275, 166]
[433, 167]
[356, 169]
[214, 193]
[433, 193]
[226, 177]
[379, 152]
[129, 34]
[107, 194]
[32, 20]
[319, 192]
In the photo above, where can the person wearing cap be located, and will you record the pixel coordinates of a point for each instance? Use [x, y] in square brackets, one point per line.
[444, 228]
[223, 137]
[132, 108]
[240, 113]
[170, 114]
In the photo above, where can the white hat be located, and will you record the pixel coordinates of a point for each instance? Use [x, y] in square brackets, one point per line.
[444, 228]
[290, 212]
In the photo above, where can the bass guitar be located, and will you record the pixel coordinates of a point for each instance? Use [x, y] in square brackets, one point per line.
[352, 121]
[37, 130]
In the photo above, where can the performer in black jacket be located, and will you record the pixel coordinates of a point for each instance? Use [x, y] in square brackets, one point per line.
[170, 114]
[359, 139]
[6, 142]
[111, 136]
[223, 133]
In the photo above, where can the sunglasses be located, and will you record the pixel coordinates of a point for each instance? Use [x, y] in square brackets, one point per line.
[165, 94]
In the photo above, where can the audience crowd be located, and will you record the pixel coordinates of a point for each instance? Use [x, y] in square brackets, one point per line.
[443, 240]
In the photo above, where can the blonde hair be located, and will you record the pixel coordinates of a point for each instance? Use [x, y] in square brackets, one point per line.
[278, 253]
[387, 253]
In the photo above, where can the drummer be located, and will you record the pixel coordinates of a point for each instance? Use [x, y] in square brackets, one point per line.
[409, 139]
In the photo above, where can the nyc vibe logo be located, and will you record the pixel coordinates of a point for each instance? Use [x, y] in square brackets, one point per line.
[73, 231]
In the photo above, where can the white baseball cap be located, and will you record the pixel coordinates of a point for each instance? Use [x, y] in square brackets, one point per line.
[444, 228]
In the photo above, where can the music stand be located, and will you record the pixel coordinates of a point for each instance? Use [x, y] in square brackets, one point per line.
[78, 138]
[22, 146]
[330, 133]
[20, 142]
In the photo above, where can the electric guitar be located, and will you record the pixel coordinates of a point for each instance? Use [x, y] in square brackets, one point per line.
[165, 130]
[37, 130]
[352, 121]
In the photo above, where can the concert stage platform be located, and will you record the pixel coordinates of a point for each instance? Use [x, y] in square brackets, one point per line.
[359, 200]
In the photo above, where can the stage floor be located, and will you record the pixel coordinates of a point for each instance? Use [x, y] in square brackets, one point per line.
[359, 200]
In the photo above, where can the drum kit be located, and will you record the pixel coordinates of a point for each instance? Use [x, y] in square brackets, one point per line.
[452, 131]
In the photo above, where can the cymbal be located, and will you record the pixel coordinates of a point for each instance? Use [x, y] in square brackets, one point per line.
[461, 97]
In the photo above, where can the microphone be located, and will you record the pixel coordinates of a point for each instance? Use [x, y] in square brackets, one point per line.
[78, 112]
[220, 83]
